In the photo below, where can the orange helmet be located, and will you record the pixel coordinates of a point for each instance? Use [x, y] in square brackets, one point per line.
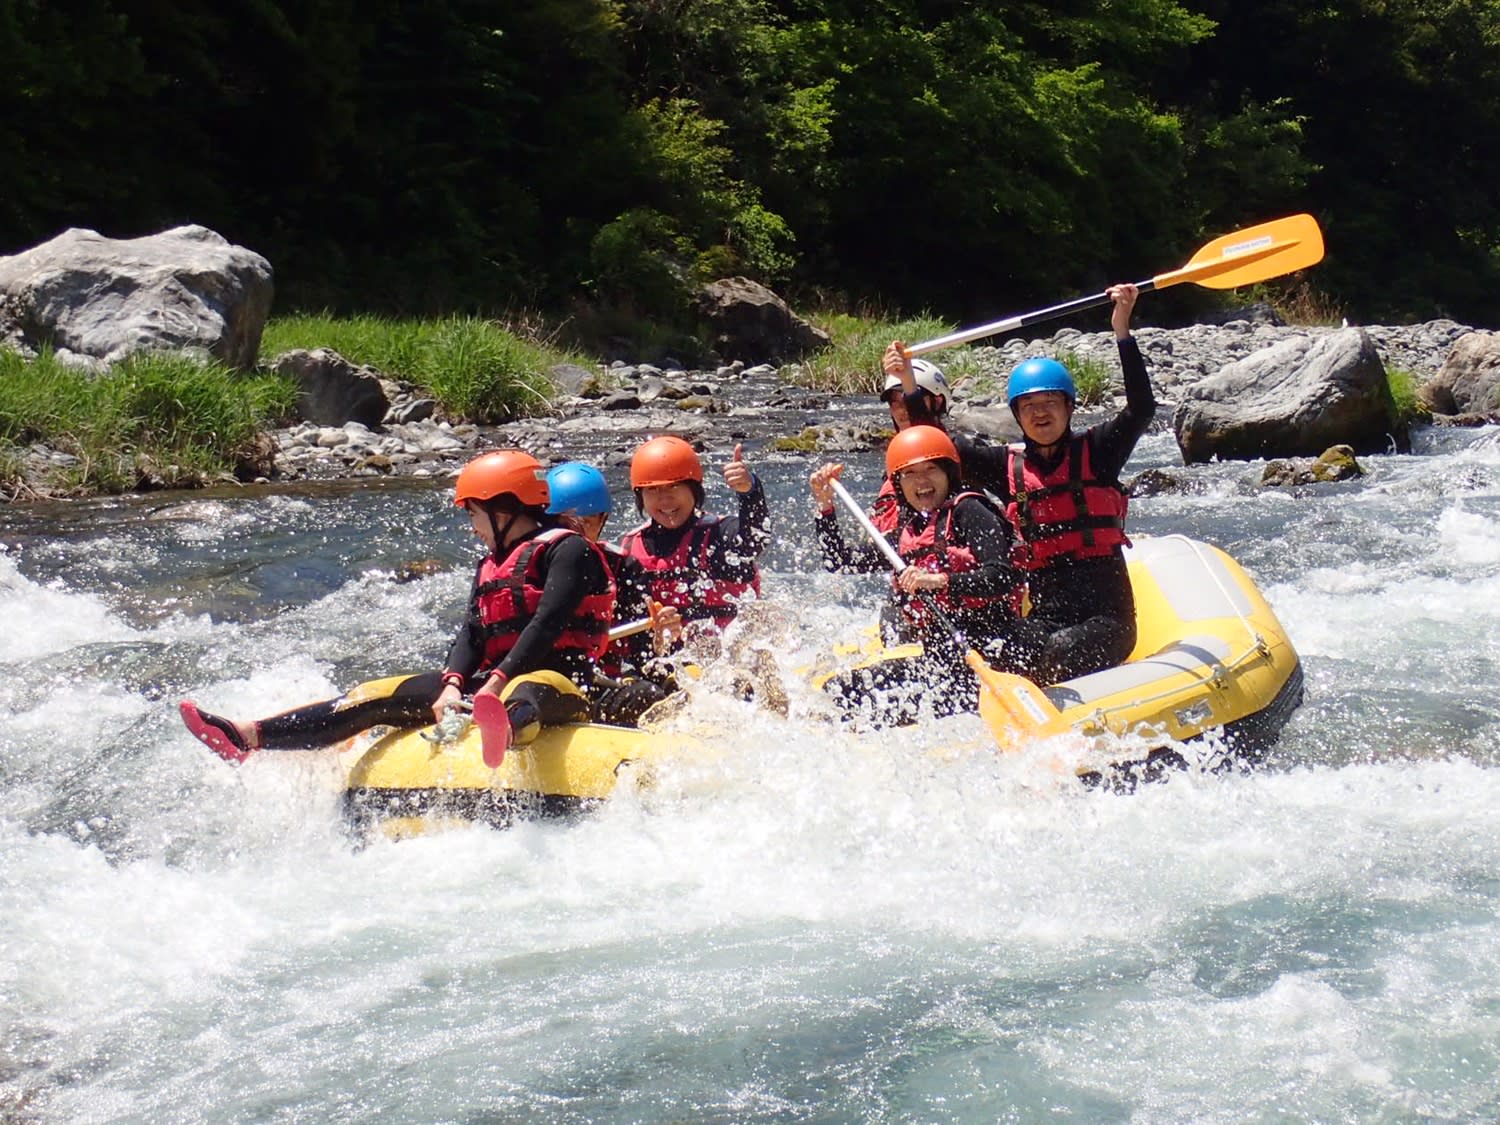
[504, 472]
[664, 460]
[918, 443]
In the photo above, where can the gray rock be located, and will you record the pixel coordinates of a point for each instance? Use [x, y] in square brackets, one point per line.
[412, 410]
[574, 380]
[331, 390]
[1469, 380]
[746, 320]
[1292, 399]
[185, 289]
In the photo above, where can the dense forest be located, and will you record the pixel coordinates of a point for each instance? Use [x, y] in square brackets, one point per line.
[967, 157]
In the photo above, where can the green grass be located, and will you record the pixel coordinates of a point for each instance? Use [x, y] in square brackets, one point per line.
[1403, 386]
[851, 365]
[156, 420]
[475, 368]
[1092, 376]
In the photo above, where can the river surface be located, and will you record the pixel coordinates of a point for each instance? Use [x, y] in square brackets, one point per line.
[817, 928]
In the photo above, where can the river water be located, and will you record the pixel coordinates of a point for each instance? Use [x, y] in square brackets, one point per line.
[812, 928]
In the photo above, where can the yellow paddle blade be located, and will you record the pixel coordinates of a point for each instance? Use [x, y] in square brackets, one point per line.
[1016, 711]
[1253, 254]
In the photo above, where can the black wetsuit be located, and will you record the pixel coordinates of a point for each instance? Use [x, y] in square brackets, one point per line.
[734, 545]
[895, 691]
[569, 569]
[1082, 610]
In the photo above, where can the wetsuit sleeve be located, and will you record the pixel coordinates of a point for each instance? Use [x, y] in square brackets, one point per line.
[841, 558]
[570, 570]
[739, 541]
[467, 648]
[988, 535]
[984, 466]
[1112, 442]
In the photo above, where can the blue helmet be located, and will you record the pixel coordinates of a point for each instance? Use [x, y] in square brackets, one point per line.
[1039, 374]
[578, 488]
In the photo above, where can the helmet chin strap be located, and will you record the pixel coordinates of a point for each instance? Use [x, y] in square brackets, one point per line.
[498, 534]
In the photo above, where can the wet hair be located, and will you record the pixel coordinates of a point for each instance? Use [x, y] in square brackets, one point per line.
[695, 485]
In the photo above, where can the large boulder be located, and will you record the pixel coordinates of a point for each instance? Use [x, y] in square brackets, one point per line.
[1293, 399]
[100, 299]
[1469, 380]
[747, 321]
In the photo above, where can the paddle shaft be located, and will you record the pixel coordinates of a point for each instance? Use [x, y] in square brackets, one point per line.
[898, 564]
[1254, 254]
[630, 629]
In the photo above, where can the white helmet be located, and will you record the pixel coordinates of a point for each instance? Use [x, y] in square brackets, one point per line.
[930, 378]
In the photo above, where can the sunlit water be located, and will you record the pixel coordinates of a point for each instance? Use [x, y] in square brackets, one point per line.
[809, 928]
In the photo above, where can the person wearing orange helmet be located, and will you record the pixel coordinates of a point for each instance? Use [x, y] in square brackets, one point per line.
[958, 577]
[701, 564]
[538, 620]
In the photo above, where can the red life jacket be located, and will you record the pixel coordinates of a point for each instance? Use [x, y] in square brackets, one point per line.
[612, 663]
[933, 549]
[507, 593]
[682, 579]
[885, 513]
[1068, 513]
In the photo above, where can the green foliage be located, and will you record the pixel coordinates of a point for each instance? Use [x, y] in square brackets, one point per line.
[1092, 376]
[1405, 400]
[852, 364]
[155, 420]
[462, 157]
[475, 368]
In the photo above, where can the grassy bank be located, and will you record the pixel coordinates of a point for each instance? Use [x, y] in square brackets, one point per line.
[156, 421]
[477, 369]
[164, 421]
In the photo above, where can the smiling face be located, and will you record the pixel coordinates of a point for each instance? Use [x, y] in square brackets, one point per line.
[670, 505]
[925, 485]
[1044, 416]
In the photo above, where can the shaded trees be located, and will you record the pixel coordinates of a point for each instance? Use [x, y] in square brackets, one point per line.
[970, 157]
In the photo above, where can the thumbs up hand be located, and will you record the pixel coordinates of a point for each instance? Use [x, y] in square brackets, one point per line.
[737, 473]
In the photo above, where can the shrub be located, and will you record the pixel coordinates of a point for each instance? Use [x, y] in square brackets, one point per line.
[852, 364]
[1408, 404]
[474, 367]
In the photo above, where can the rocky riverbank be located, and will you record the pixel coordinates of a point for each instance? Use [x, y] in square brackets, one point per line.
[601, 415]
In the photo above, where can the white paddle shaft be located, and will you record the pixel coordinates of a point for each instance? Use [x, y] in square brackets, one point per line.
[898, 564]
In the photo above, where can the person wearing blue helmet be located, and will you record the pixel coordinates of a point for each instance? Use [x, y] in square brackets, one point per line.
[580, 490]
[1063, 497]
[625, 688]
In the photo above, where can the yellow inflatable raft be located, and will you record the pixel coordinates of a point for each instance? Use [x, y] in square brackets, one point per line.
[1210, 656]
[403, 783]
